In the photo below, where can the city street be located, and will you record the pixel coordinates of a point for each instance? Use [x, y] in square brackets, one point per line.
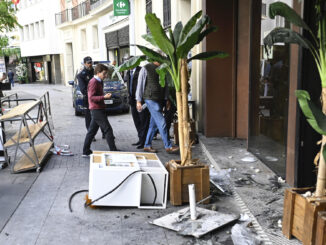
[34, 207]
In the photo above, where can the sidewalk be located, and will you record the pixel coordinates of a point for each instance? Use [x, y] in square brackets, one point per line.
[34, 207]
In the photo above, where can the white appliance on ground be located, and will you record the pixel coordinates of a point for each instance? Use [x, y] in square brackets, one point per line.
[145, 180]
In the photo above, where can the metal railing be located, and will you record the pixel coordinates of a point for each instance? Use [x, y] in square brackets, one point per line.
[78, 11]
[62, 17]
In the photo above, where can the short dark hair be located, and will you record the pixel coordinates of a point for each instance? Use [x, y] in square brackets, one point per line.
[99, 68]
[87, 59]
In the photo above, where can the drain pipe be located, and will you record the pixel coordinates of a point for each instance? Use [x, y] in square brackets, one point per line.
[192, 201]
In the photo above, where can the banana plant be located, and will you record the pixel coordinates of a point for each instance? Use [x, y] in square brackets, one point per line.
[315, 115]
[175, 47]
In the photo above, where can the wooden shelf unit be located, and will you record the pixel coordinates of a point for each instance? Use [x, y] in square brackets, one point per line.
[34, 156]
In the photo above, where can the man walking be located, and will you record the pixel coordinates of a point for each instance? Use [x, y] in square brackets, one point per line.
[150, 90]
[83, 78]
[11, 77]
[97, 110]
[141, 119]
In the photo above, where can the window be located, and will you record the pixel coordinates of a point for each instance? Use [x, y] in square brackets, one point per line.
[42, 29]
[37, 30]
[83, 39]
[95, 37]
[166, 13]
[31, 31]
[21, 32]
[26, 32]
[148, 10]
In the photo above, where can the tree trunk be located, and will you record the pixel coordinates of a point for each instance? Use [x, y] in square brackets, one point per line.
[184, 91]
[180, 123]
[321, 178]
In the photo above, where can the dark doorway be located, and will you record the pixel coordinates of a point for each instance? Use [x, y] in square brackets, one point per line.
[49, 72]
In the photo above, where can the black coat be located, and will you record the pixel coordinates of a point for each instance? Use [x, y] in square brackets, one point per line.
[132, 96]
[83, 78]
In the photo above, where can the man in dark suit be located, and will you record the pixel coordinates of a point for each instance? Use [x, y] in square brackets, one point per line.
[141, 119]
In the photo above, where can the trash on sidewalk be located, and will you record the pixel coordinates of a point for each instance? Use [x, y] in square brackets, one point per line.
[206, 221]
[241, 235]
[62, 150]
[249, 159]
[221, 180]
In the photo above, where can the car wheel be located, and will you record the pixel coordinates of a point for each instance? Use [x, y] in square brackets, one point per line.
[77, 113]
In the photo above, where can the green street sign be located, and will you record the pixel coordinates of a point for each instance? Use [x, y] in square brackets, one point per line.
[121, 7]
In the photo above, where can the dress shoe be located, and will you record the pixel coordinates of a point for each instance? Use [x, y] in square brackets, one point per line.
[137, 143]
[150, 149]
[173, 149]
[140, 147]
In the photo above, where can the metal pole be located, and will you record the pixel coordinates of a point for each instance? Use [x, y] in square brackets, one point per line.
[192, 201]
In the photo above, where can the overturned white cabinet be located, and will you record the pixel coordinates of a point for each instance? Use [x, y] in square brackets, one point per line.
[145, 179]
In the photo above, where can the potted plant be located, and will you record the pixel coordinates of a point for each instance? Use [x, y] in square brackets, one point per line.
[300, 213]
[176, 47]
[21, 72]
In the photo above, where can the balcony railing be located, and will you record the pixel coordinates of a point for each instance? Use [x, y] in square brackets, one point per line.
[77, 12]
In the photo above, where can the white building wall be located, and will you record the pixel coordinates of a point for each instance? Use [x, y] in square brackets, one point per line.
[38, 34]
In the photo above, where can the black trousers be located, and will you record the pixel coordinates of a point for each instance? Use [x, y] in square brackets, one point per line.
[99, 120]
[88, 118]
[141, 121]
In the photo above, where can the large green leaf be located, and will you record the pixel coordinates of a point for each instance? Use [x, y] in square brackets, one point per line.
[162, 70]
[149, 38]
[153, 56]
[158, 33]
[204, 33]
[209, 55]
[285, 35]
[192, 37]
[189, 25]
[314, 115]
[132, 63]
[282, 9]
[176, 32]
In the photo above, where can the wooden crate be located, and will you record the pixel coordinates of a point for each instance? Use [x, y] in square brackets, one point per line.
[321, 229]
[300, 215]
[181, 176]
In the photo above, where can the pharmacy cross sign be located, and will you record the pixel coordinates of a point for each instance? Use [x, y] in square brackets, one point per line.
[121, 7]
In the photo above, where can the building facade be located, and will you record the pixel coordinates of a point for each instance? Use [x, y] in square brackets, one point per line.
[89, 28]
[39, 39]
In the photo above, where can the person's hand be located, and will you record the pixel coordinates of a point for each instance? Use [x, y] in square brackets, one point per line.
[138, 106]
[108, 96]
[168, 105]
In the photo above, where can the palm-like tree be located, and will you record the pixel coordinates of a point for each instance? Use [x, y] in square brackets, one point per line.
[316, 117]
[176, 47]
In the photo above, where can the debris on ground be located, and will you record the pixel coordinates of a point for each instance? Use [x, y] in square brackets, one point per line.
[241, 235]
[249, 159]
[62, 150]
[280, 180]
[307, 194]
[206, 222]
[221, 180]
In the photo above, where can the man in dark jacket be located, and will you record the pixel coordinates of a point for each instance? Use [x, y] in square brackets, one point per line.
[83, 78]
[141, 119]
[97, 109]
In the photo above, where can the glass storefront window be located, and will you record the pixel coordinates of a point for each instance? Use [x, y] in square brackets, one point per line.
[269, 101]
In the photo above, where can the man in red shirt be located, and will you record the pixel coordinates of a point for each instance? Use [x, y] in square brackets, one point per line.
[97, 107]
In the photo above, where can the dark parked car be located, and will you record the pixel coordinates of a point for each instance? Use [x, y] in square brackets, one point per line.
[113, 84]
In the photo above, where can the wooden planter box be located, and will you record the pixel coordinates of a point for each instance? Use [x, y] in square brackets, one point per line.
[181, 176]
[321, 229]
[192, 133]
[300, 215]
